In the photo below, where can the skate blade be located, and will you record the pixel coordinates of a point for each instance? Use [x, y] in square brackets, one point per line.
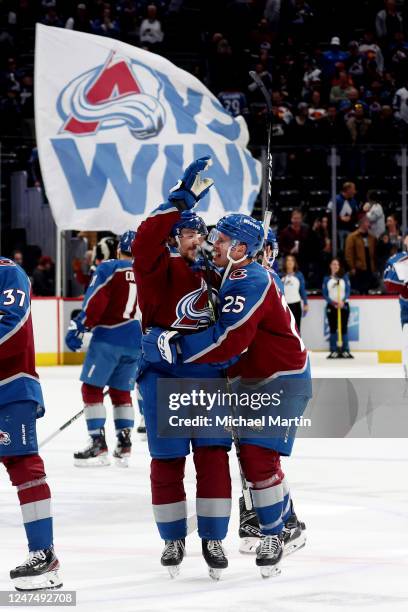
[122, 462]
[214, 573]
[99, 461]
[49, 580]
[269, 571]
[294, 546]
[248, 546]
[174, 571]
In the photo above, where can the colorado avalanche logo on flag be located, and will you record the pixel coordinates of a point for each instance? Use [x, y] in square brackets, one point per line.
[111, 96]
[116, 126]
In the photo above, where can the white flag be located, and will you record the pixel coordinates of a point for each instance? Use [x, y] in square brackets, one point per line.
[115, 127]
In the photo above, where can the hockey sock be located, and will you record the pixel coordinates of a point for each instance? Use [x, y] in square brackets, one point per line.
[213, 491]
[94, 409]
[26, 472]
[123, 411]
[262, 469]
[287, 509]
[169, 497]
[139, 399]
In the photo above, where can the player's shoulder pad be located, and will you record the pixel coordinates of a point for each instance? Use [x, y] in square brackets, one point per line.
[253, 276]
[123, 264]
[4, 261]
[397, 257]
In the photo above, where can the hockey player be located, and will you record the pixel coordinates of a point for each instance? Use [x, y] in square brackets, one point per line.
[173, 294]
[21, 403]
[396, 281]
[255, 323]
[109, 310]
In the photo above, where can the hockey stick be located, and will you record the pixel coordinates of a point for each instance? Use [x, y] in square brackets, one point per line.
[339, 330]
[268, 210]
[244, 485]
[64, 426]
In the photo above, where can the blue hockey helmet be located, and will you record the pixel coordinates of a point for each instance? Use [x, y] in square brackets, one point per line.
[125, 242]
[242, 229]
[272, 242]
[189, 220]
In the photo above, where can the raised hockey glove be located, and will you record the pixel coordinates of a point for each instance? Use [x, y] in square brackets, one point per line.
[75, 335]
[192, 187]
[157, 345]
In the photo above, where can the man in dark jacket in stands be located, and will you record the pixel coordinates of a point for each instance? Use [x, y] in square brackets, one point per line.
[43, 277]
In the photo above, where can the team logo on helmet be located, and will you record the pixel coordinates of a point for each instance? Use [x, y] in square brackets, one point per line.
[193, 310]
[4, 438]
[112, 96]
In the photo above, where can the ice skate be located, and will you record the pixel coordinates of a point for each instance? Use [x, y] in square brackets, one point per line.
[39, 572]
[123, 448]
[215, 558]
[95, 454]
[249, 530]
[293, 535]
[173, 555]
[141, 430]
[269, 555]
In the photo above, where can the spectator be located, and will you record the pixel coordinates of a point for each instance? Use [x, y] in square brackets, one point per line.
[311, 77]
[319, 249]
[400, 105]
[84, 269]
[390, 242]
[151, 35]
[375, 214]
[293, 240]
[106, 25]
[332, 129]
[346, 209]
[17, 257]
[388, 21]
[360, 254]
[81, 21]
[295, 288]
[234, 101]
[370, 49]
[332, 57]
[316, 109]
[355, 63]
[43, 277]
[341, 88]
[51, 17]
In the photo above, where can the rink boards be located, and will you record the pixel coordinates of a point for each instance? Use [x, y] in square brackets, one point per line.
[374, 325]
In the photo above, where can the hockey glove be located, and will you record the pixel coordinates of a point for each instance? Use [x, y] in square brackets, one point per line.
[157, 346]
[75, 335]
[192, 187]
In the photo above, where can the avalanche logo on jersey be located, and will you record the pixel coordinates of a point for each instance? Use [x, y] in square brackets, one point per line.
[4, 438]
[111, 96]
[193, 310]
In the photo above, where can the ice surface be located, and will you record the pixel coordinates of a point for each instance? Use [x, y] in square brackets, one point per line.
[352, 494]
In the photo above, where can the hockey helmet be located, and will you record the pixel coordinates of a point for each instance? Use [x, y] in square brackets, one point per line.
[241, 229]
[189, 220]
[125, 242]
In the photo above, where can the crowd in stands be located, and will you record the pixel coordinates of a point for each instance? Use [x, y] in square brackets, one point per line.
[336, 75]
